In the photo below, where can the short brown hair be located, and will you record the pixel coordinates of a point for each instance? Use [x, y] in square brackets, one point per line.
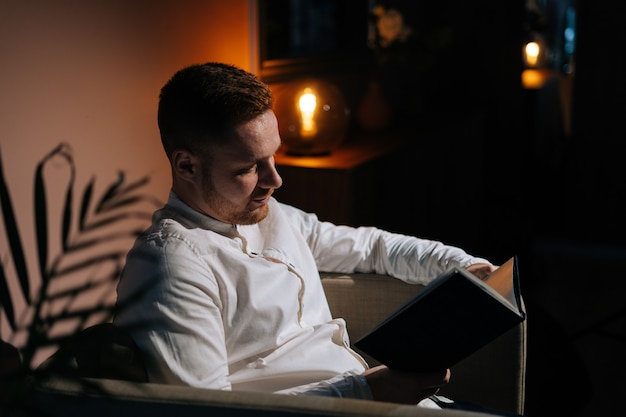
[204, 102]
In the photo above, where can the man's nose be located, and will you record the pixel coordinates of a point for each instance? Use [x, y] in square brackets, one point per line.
[271, 178]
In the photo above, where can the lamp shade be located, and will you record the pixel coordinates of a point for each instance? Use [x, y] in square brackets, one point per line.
[312, 117]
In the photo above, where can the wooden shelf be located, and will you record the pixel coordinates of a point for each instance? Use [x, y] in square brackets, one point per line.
[358, 149]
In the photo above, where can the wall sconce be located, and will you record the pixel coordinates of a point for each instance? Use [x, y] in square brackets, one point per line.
[313, 116]
[536, 62]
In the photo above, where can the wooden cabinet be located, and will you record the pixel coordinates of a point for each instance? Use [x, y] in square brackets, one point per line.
[340, 187]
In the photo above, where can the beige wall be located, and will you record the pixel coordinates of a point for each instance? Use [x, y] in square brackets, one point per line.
[88, 73]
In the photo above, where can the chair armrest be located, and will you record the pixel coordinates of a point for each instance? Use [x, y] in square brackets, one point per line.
[71, 397]
[493, 376]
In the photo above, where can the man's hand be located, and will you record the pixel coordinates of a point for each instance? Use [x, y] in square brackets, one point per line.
[404, 387]
[481, 271]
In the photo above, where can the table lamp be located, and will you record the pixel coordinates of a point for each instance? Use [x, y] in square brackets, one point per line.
[312, 116]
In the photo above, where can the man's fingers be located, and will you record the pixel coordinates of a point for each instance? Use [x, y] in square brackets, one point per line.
[402, 386]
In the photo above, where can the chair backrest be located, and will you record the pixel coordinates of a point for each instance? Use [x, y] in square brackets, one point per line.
[100, 351]
[10, 366]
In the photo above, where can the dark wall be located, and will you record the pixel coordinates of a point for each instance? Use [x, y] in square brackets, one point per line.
[595, 168]
[496, 170]
[541, 179]
[466, 159]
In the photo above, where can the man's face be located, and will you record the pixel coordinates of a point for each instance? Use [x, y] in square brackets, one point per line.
[241, 176]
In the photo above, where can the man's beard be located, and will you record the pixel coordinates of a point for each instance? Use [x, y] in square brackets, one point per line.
[228, 212]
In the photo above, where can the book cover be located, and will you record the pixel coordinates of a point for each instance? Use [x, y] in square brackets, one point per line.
[452, 317]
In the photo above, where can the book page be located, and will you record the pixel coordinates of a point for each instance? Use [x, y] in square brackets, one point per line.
[501, 280]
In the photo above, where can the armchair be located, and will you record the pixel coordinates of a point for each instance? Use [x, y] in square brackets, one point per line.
[493, 376]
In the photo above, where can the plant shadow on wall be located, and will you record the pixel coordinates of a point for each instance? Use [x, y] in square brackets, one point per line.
[78, 257]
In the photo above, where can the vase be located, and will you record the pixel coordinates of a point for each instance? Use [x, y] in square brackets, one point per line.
[374, 111]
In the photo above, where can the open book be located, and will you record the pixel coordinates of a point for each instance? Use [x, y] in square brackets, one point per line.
[452, 317]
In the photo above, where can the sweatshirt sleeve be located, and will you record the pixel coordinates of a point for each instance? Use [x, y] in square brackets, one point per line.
[348, 249]
[350, 385]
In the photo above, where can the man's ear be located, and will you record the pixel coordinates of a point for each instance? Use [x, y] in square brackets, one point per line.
[185, 164]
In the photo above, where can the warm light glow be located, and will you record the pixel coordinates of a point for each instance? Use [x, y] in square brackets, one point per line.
[535, 78]
[307, 104]
[532, 51]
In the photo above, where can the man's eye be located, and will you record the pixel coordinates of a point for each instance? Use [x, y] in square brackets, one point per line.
[248, 170]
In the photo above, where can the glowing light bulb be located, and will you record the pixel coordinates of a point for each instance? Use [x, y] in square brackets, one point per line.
[307, 104]
[532, 51]
[313, 117]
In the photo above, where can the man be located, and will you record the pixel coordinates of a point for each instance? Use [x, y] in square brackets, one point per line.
[223, 290]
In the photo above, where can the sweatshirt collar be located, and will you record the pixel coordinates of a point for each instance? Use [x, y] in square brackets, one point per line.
[200, 219]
